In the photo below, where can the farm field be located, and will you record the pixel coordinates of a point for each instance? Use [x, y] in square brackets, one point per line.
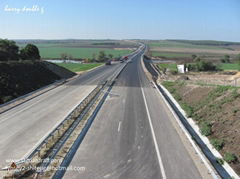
[170, 66]
[229, 66]
[175, 44]
[222, 66]
[183, 49]
[77, 67]
[80, 49]
[169, 54]
[55, 52]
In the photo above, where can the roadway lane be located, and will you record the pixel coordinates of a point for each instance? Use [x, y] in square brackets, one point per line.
[120, 142]
[22, 127]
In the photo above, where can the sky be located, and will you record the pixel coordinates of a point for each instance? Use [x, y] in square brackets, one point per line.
[120, 19]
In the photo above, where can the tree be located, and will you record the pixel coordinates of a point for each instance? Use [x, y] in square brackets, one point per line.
[206, 66]
[226, 59]
[110, 56]
[202, 66]
[64, 56]
[238, 61]
[30, 52]
[88, 60]
[102, 56]
[8, 50]
[94, 56]
[194, 56]
[197, 59]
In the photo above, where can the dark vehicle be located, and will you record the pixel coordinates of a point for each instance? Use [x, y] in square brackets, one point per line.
[108, 62]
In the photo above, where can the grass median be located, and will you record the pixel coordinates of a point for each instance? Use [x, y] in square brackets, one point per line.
[77, 67]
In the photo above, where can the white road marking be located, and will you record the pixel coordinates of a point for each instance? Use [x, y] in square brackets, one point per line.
[119, 126]
[154, 138]
[81, 169]
[153, 134]
[108, 175]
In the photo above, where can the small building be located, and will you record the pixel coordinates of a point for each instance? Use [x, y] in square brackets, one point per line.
[182, 69]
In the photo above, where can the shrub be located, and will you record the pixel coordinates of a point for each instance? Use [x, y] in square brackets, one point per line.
[177, 97]
[202, 65]
[173, 72]
[205, 66]
[229, 157]
[220, 161]
[188, 109]
[168, 84]
[235, 111]
[206, 128]
[226, 59]
[235, 94]
[217, 143]
[194, 56]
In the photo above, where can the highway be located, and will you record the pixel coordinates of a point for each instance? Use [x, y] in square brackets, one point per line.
[134, 136]
[24, 126]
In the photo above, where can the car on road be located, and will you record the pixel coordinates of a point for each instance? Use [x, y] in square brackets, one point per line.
[109, 62]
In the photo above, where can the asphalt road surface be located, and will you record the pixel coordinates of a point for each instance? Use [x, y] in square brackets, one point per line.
[132, 136]
[22, 127]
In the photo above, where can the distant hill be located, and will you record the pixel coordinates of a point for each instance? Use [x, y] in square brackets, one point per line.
[207, 42]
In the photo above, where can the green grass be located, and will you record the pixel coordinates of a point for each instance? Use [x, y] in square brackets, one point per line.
[79, 48]
[172, 44]
[170, 66]
[230, 157]
[169, 54]
[229, 66]
[76, 67]
[55, 52]
[217, 143]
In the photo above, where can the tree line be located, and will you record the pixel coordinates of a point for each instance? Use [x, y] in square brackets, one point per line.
[100, 57]
[9, 51]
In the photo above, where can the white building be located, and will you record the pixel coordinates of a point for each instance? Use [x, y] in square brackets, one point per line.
[181, 68]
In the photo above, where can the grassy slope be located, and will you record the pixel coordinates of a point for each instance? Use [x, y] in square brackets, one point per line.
[75, 67]
[216, 109]
[19, 78]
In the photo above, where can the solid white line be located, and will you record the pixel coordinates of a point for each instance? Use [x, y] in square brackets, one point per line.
[154, 137]
[153, 133]
[119, 126]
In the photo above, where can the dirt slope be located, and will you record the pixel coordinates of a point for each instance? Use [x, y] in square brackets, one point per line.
[218, 106]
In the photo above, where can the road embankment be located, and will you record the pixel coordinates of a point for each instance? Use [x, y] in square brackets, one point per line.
[197, 128]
